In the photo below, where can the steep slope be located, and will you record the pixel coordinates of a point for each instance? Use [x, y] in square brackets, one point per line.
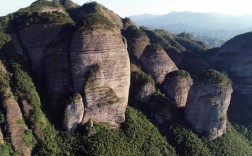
[100, 67]
[234, 57]
[206, 108]
[16, 127]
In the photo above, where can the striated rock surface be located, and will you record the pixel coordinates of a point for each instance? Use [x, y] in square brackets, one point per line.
[235, 59]
[177, 85]
[157, 63]
[105, 48]
[209, 99]
[74, 112]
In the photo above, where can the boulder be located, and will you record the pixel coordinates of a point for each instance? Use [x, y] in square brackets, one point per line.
[157, 63]
[176, 86]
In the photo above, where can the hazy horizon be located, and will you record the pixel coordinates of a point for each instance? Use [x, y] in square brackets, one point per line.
[159, 7]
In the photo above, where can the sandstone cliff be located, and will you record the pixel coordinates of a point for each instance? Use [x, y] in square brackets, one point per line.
[177, 85]
[74, 112]
[234, 58]
[157, 63]
[107, 49]
[208, 101]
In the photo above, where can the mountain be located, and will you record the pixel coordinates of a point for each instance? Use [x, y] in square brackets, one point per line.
[211, 28]
[81, 80]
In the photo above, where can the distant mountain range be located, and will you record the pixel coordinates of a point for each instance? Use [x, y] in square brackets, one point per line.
[212, 28]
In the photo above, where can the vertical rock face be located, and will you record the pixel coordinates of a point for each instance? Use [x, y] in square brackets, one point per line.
[107, 49]
[177, 85]
[34, 40]
[57, 68]
[157, 63]
[206, 108]
[74, 113]
[235, 58]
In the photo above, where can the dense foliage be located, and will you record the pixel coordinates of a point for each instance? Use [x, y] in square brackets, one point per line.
[231, 144]
[213, 76]
[95, 20]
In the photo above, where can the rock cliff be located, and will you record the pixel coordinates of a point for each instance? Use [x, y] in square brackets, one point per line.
[157, 63]
[74, 112]
[208, 101]
[108, 50]
[235, 59]
[177, 85]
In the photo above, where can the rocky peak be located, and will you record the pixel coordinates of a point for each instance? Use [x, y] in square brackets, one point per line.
[157, 63]
[177, 85]
[208, 101]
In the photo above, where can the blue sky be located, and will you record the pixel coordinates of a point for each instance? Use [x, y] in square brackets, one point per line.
[135, 7]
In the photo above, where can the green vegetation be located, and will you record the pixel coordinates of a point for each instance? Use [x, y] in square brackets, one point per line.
[213, 76]
[179, 73]
[187, 41]
[3, 38]
[95, 20]
[188, 143]
[164, 38]
[231, 144]
[26, 19]
[127, 22]
[138, 80]
[134, 33]
[40, 4]
[29, 139]
[20, 121]
[91, 75]
[5, 150]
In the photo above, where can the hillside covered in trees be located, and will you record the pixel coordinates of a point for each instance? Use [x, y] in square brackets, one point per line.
[81, 80]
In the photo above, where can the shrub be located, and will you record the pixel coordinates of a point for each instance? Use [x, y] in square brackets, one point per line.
[29, 138]
[95, 20]
[213, 76]
[231, 144]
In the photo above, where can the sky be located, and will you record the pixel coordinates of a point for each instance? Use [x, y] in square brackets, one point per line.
[127, 8]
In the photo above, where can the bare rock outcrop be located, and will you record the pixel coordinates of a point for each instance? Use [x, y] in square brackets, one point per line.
[176, 86]
[74, 112]
[57, 68]
[157, 63]
[209, 99]
[103, 47]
